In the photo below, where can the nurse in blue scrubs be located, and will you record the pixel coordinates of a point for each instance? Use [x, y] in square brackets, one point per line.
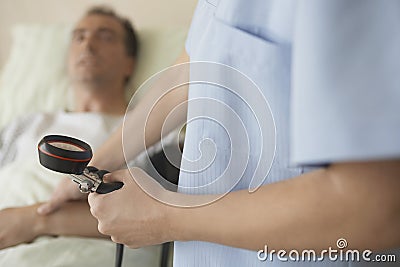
[328, 71]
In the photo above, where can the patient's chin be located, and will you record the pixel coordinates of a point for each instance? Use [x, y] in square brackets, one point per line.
[88, 79]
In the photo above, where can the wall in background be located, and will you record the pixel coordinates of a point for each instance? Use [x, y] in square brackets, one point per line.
[143, 13]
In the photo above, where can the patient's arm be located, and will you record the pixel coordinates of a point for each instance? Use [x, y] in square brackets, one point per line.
[23, 224]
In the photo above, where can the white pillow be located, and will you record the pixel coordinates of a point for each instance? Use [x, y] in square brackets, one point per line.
[34, 77]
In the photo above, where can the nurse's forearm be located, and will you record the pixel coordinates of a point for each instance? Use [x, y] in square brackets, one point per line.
[144, 123]
[356, 201]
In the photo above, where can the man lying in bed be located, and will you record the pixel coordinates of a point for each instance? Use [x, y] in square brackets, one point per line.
[101, 59]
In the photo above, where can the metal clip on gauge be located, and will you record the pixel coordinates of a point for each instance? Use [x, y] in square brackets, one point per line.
[69, 155]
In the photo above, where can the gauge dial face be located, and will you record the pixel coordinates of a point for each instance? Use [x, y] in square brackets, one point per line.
[66, 146]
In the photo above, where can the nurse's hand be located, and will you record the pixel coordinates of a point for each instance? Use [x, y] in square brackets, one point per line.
[129, 215]
[66, 190]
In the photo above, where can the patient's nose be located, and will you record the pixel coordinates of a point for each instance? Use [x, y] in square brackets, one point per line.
[89, 43]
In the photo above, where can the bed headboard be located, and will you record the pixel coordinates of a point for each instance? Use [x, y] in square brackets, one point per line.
[144, 14]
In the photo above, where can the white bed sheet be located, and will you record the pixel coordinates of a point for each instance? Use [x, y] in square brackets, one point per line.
[24, 181]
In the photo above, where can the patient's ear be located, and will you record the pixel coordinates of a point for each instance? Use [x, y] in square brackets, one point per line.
[130, 66]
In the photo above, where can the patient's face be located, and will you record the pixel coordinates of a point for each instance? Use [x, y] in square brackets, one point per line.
[97, 52]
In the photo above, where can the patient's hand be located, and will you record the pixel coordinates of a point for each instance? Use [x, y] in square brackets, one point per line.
[19, 225]
[64, 192]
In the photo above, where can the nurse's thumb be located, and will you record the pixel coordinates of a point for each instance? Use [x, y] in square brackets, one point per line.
[113, 177]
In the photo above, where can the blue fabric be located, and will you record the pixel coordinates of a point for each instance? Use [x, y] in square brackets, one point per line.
[258, 38]
[346, 87]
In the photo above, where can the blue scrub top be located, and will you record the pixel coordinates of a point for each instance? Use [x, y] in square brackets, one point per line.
[327, 69]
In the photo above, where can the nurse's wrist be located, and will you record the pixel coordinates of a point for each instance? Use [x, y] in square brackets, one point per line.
[175, 217]
[178, 222]
[170, 221]
[185, 218]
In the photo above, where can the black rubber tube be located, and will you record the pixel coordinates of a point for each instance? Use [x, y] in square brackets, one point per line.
[119, 253]
[105, 188]
[165, 254]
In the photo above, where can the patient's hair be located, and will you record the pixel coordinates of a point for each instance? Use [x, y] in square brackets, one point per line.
[131, 40]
